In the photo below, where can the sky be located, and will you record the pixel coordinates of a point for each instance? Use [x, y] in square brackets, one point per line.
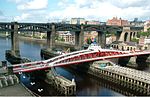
[57, 10]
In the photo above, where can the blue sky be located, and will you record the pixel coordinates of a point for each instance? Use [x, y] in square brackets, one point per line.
[55, 10]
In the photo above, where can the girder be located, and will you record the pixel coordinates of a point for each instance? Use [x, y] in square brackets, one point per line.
[75, 58]
[58, 27]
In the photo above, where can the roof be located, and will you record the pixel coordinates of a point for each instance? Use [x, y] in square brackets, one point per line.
[131, 43]
[117, 42]
[127, 43]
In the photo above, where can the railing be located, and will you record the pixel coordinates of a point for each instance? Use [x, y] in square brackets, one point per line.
[74, 58]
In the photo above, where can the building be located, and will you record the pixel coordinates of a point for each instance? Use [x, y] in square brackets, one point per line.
[147, 40]
[146, 25]
[77, 21]
[110, 39]
[144, 40]
[137, 23]
[90, 35]
[102, 23]
[67, 36]
[129, 46]
[92, 22]
[141, 40]
[39, 35]
[117, 22]
[125, 46]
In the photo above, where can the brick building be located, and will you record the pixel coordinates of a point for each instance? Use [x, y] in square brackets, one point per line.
[67, 36]
[117, 22]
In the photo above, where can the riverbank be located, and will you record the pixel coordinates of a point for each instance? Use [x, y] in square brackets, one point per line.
[35, 40]
[29, 39]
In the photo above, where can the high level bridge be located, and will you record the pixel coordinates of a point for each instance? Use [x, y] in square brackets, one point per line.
[93, 53]
[52, 28]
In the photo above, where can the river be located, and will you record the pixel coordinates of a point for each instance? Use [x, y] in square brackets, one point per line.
[86, 86]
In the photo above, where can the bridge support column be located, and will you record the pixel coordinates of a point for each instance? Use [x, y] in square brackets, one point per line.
[14, 39]
[51, 37]
[118, 35]
[122, 36]
[136, 34]
[81, 37]
[128, 37]
[102, 39]
[77, 39]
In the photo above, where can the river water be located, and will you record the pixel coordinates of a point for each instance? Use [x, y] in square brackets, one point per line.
[86, 86]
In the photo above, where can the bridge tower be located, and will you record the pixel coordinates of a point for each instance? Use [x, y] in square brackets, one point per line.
[14, 39]
[79, 37]
[102, 38]
[129, 33]
[51, 36]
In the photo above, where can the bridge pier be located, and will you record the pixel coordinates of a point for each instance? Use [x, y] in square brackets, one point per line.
[14, 39]
[79, 38]
[118, 35]
[129, 79]
[51, 37]
[102, 39]
[129, 37]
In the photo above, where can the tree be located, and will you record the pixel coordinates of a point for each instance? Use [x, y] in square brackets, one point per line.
[62, 39]
[56, 36]
[135, 40]
[144, 33]
[88, 41]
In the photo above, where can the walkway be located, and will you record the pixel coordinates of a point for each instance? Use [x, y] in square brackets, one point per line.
[15, 90]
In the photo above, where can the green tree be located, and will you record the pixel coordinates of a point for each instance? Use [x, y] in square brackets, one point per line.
[144, 33]
[62, 39]
[135, 40]
[56, 36]
[88, 41]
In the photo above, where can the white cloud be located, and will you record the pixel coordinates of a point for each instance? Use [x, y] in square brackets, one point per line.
[16, 1]
[5, 19]
[35, 10]
[103, 9]
[33, 5]
[33, 16]
[24, 16]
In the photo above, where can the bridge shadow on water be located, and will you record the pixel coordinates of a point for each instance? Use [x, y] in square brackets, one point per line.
[35, 82]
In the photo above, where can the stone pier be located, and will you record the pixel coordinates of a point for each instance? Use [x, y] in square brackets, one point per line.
[51, 37]
[102, 39]
[132, 79]
[14, 39]
[60, 83]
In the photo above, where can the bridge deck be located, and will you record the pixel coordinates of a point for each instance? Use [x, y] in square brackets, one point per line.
[75, 58]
